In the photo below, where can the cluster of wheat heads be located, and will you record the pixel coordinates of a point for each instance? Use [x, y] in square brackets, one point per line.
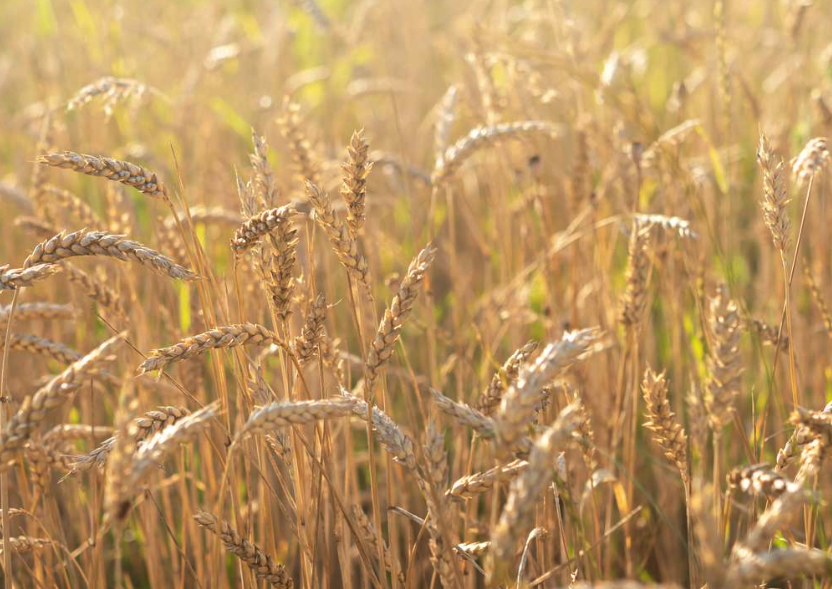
[401, 295]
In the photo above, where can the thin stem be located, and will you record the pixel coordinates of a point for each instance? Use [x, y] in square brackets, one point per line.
[4, 483]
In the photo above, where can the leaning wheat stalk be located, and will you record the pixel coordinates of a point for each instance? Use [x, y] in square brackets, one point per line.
[480, 482]
[144, 427]
[507, 375]
[159, 446]
[254, 229]
[99, 243]
[41, 346]
[519, 403]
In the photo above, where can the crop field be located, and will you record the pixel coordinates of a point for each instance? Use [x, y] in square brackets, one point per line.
[388, 294]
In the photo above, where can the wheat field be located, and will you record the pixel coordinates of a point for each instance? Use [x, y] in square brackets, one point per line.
[399, 295]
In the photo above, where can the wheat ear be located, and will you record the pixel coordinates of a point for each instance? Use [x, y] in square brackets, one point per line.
[99, 243]
[127, 173]
[226, 336]
[258, 561]
[33, 410]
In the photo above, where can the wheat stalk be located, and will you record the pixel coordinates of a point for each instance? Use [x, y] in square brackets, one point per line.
[306, 345]
[254, 229]
[524, 492]
[37, 311]
[482, 137]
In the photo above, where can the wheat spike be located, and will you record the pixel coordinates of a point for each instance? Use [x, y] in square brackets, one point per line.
[280, 414]
[12, 279]
[344, 245]
[258, 561]
[99, 243]
[724, 362]
[490, 398]
[667, 433]
[226, 336]
[33, 410]
[391, 324]
[775, 196]
[127, 173]
[354, 184]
